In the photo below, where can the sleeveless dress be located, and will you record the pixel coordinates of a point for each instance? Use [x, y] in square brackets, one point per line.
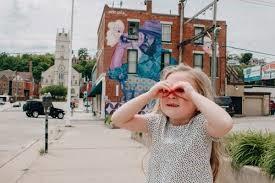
[179, 154]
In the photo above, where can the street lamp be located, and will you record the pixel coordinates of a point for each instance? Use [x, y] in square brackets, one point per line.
[69, 89]
[47, 103]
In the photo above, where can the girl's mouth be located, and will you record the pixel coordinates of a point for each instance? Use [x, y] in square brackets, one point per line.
[172, 105]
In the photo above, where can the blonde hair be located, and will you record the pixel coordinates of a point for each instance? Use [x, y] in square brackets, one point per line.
[203, 86]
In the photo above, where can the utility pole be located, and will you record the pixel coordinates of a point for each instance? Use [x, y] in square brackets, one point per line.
[69, 94]
[214, 47]
[181, 29]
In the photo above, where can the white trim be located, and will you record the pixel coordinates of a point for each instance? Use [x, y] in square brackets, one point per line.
[198, 52]
[103, 94]
[133, 20]
[166, 23]
[100, 78]
[199, 25]
[164, 42]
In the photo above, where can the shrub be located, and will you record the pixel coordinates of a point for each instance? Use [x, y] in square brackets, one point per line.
[268, 163]
[249, 148]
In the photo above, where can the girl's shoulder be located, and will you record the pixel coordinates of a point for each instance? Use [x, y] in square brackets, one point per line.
[154, 121]
[154, 117]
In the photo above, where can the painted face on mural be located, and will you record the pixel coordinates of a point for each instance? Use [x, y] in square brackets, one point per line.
[114, 32]
[147, 43]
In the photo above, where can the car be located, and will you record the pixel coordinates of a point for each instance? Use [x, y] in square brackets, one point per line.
[226, 103]
[34, 108]
[16, 104]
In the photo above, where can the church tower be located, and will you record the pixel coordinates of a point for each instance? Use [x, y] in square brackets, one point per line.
[62, 56]
[58, 73]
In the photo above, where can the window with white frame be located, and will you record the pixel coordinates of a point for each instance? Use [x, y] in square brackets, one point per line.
[198, 30]
[132, 57]
[166, 33]
[198, 60]
[165, 59]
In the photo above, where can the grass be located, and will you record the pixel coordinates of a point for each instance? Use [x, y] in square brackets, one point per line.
[248, 148]
[268, 162]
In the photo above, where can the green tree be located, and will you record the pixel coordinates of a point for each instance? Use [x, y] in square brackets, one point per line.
[79, 68]
[88, 69]
[245, 58]
[55, 90]
[83, 54]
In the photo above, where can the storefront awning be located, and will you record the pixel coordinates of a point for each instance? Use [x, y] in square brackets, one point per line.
[96, 90]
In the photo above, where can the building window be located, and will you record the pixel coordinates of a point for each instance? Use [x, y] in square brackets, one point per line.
[166, 33]
[198, 30]
[133, 30]
[132, 57]
[165, 59]
[217, 66]
[73, 91]
[46, 80]
[75, 82]
[198, 61]
[61, 76]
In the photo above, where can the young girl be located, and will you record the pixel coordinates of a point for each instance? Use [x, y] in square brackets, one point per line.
[184, 130]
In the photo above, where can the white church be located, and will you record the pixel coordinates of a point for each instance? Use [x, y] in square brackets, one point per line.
[58, 73]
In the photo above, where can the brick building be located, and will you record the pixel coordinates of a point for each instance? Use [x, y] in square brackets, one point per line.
[19, 85]
[135, 45]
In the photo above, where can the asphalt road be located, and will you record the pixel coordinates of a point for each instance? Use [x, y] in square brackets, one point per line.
[17, 132]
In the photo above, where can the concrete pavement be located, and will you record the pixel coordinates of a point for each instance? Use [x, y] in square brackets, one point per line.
[88, 152]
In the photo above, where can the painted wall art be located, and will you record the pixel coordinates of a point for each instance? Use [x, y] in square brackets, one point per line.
[148, 48]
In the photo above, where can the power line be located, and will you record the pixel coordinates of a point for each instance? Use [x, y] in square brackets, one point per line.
[243, 49]
[258, 3]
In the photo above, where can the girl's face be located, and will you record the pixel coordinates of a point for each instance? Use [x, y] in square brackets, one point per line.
[177, 106]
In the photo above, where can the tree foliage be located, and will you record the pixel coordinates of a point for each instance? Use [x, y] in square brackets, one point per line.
[246, 57]
[55, 90]
[83, 54]
[20, 63]
[85, 68]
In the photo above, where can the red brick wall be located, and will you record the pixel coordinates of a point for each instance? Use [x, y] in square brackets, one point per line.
[113, 14]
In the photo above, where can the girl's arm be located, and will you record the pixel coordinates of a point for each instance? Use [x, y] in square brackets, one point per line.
[126, 116]
[219, 122]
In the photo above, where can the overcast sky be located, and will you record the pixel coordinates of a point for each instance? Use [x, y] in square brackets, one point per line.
[31, 25]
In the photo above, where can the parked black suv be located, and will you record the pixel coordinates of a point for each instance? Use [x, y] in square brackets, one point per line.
[35, 108]
[226, 103]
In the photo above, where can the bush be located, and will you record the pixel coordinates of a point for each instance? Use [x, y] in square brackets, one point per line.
[248, 148]
[268, 163]
[56, 91]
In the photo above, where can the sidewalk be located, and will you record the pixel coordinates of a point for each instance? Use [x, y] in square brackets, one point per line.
[89, 152]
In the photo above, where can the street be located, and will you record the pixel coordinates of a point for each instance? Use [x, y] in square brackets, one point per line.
[18, 132]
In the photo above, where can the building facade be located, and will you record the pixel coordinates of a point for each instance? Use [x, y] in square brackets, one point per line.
[135, 45]
[58, 73]
[19, 85]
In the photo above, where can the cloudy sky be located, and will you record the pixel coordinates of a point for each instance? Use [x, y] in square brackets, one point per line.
[31, 25]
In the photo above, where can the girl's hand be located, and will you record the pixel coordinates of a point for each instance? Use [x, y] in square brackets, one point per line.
[186, 86]
[156, 90]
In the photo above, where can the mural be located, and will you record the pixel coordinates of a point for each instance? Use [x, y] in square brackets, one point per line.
[149, 49]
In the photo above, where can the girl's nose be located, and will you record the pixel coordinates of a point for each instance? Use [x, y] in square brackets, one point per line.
[171, 95]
